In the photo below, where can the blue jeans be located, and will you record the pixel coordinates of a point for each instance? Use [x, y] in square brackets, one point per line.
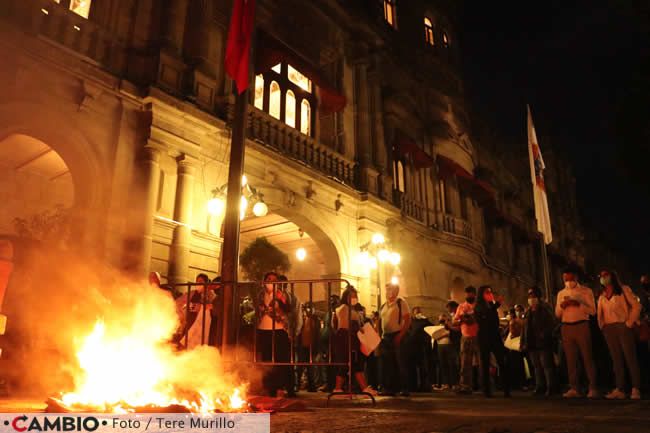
[394, 363]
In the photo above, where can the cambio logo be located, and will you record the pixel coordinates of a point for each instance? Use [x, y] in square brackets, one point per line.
[60, 423]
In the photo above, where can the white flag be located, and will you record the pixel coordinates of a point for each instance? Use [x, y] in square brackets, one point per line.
[539, 188]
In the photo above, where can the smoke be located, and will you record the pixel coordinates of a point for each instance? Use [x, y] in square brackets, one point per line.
[56, 300]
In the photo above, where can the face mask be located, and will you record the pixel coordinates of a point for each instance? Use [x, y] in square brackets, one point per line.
[605, 281]
[470, 299]
[354, 301]
[533, 301]
[489, 298]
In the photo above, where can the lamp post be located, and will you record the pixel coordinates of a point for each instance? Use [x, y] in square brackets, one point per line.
[375, 253]
[249, 195]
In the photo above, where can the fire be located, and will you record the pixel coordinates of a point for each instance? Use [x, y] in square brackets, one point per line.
[126, 362]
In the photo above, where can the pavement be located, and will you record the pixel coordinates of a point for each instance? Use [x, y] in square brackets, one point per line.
[448, 413]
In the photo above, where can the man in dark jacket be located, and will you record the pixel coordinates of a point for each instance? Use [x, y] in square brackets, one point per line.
[420, 352]
[537, 340]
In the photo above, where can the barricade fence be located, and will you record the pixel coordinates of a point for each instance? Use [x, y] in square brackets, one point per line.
[268, 319]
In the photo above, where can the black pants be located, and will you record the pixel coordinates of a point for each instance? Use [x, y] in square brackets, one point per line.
[303, 356]
[494, 345]
[276, 377]
[394, 363]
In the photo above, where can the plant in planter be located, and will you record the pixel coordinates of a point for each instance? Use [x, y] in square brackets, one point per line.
[260, 257]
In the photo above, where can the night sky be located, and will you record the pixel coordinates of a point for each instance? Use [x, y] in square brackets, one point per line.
[584, 67]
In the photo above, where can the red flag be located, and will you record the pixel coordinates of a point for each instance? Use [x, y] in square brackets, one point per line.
[239, 42]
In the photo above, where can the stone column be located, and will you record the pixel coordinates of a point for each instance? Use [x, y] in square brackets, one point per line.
[151, 184]
[180, 249]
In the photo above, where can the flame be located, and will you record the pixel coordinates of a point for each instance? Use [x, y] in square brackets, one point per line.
[126, 362]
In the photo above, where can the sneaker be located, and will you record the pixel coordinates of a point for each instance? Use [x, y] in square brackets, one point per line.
[636, 394]
[593, 394]
[572, 393]
[370, 390]
[616, 394]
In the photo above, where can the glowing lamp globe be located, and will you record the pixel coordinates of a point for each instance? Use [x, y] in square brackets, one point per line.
[260, 209]
[378, 238]
[383, 256]
[216, 206]
[394, 280]
[395, 259]
[301, 254]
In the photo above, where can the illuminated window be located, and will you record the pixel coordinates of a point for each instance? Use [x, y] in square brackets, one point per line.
[305, 117]
[428, 31]
[285, 81]
[389, 12]
[298, 79]
[290, 111]
[398, 176]
[275, 96]
[442, 189]
[259, 92]
[80, 7]
[445, 39]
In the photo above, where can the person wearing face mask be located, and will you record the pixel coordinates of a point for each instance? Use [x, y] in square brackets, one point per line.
[537, 341]
[575, 303]
[349, 318]
[466, 319]
[618, 312]
[395, 322]
[489, 339]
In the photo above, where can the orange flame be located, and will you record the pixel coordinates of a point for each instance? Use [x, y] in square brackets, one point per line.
[126, 362]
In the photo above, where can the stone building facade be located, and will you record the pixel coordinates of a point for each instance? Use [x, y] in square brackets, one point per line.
[357, 126]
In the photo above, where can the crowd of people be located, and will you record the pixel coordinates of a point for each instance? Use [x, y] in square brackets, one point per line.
[573, 348]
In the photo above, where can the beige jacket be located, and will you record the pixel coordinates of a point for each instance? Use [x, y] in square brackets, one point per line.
[628, 304]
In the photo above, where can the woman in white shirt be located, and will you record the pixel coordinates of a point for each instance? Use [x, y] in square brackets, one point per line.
[618, 311]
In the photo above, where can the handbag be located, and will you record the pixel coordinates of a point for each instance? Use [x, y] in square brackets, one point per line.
[513, 343]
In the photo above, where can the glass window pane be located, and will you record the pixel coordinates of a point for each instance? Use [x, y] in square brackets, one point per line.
[400, 176]
[80, 7]
[259, 92]
[305, 117]
[274, 99]
[290, 113]
[299, 79]
[277, 68]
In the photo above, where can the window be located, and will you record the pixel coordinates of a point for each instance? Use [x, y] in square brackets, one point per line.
[445, 39]
[305, 117]
[398, 176]
[289, 97]
[445, 206]
[290, 113]
[389, 13]
[259, 92]
[275, 96]
[428, 31]
[80, 7]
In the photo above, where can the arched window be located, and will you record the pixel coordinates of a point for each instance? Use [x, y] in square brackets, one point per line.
[389, 12]
[299, 104]
[275, 96]
[305, 117]
[290, 109]
[445, 39]
[259, 91]
[428, 31]
[398, 176]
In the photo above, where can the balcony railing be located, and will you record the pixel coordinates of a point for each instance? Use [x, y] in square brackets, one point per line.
[457, 226]
[54, 22]
[292, 143]
[409, 207]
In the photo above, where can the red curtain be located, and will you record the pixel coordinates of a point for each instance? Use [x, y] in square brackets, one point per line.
[448, 167]
[406, 146]
[270, 52]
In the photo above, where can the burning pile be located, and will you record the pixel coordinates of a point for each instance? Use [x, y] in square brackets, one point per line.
[125, 363]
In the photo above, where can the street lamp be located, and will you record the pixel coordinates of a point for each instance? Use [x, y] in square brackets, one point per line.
[377, 252]
[217, 204]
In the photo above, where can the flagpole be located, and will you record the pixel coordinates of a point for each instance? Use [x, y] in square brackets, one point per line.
[231, 224]
[547, 284]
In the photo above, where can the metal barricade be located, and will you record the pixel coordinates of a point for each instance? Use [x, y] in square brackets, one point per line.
[278, 302]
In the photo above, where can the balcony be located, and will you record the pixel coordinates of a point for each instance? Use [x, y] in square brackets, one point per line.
[47, 19]
[292, 143]
[456, 226]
